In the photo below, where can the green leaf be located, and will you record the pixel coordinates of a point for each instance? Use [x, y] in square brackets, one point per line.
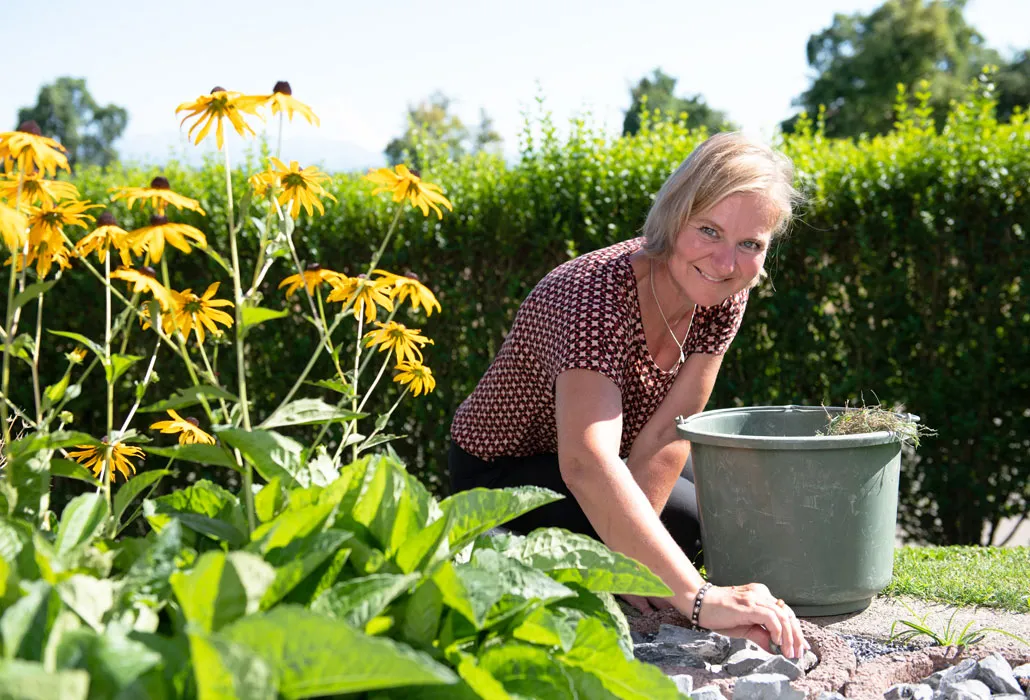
[31, 292]
[545, 627]
[132, 488]
[269, 501]
[360, 599]
[601, 606]
[55, 392]
[420, 615]
[334, 385]
[26, 624]
[50, 441]
[272, 454]
[118, 366]
[221, 588]
[88, 597]
[597, 652]
[317, 656]
[116, 663]
[393, 504]
[256, 315]
[81, 520]
[72, 470]
[309, 412]
[205, 508]
[78, 337]
[527, 671]
[189, 397]
[227, 671]
[211, 455]
[24, 680]
[23, 347]
[477, 510]
[426, 548]
[148, 577]
[298, 560]
[376, 440]
[480, 680]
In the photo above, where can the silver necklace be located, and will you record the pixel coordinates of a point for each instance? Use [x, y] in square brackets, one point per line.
[667, 326]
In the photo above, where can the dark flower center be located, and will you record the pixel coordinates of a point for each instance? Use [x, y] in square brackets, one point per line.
[217, 88]
[313, 267]
[160, 183]
[157, 220]
[415, 171]
[107, 219]
[411, 276]
[282, 87]
[192, 421]
[148, 271]
[30, 127]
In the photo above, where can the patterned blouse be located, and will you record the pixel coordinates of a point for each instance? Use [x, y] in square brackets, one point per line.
[585, 314]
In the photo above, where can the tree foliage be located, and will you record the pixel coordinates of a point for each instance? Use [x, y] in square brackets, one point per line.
[65, 110]
[1013, 85]
[656, 92]
[431, 122]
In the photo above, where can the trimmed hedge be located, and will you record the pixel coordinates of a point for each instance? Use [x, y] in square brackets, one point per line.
[903, 281]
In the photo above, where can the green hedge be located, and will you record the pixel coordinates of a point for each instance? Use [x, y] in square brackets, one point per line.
[903, 281]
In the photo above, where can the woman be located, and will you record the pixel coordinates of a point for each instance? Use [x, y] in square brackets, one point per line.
[604, 354]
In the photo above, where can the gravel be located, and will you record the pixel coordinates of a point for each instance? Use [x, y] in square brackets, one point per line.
[866, 648]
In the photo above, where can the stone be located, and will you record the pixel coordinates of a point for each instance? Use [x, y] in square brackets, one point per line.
[684, 683]
[765, 686]
[740, 644]
[780, 665]
[637, 637]
[709, 692]
[809, 661]
[830, 695]
[668, 654]
[934, 680]
[1008, 696]
[970, 689]
[708, 646]
[963, 671]
[745, 661]
[1021, 671]
[909, 691]
[996, 673]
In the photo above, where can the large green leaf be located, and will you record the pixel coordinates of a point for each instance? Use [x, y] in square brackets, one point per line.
[546, 627]
[420, 615]
[132, 488]
[78, 337]
[50, 441]
[601, 606]
[256, 315]
[273, 455]
[31, 292]
[221, 588]
[72, 470]
[393, 504]
[293, 523]
[477, 510]
[296, 561]
[189, 397]
[227, 671]
[203, 507]
[115, 662]
[598, 653]
[427, 547]
[211, 455]
[119, 365]
[88, 597]
[360, 599]
[573, 558]
[24, 680]
[28, 478]
[81, 521]
[148, 577]
[26, 624]
[269, 501]
[309, 412]
[315, 656]
[527, 671]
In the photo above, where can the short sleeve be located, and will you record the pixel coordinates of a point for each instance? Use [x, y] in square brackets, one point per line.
[715, 327]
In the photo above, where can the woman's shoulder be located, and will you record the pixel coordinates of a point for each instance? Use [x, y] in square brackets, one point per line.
[606, 268]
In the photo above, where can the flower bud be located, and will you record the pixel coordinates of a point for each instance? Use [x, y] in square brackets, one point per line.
[282, 87]
[148, 271]
[107, 219]
[30, 127]
[160, 183]
[158, 220]
[217, 88]
[313, 267]
[192, 421]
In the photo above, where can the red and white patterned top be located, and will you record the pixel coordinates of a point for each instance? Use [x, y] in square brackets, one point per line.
[584, 314]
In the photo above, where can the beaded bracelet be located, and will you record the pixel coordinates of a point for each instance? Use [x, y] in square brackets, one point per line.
[695, 615]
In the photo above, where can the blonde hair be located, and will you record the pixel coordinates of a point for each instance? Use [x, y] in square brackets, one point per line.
[722, 165]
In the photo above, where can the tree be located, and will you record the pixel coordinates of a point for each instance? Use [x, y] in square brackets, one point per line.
[1013, 86]
[860, 59]
[431, 125]
[65, 111]
[658, 89]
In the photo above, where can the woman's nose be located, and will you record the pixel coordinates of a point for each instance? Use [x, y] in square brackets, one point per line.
[724, 260]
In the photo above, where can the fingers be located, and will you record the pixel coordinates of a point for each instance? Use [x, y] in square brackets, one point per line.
[639, 602]
[661, 603]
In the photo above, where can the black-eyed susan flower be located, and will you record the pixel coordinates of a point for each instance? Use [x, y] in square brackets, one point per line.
[188, 429]
[301, 187]
[407, 184]
[92, 457]
[106, 236]
[416, 376]
[159, 195]
[192, 312]
[313, 275]
[48, 221]
[76, 356]
[405, 342]
[35, 189]
[212, 110]
[367, 295]
[410, 288]
[29, 151]
[46, 255]
[263, 181]
[144, 280]
[152, 238]
[13, 227]
[282, 100]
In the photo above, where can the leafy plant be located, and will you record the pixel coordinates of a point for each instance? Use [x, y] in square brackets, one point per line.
[949, 636]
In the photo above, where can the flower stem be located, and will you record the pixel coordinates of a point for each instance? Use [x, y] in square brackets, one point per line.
[9, 337]
[35, 360]
[146, 382]
[357, 364]
[109, 372]
[368, 394]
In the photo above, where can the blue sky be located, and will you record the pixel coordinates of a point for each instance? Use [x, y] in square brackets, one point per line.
[359, 64]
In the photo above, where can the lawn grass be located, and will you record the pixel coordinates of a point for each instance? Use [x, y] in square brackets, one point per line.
[990, 576]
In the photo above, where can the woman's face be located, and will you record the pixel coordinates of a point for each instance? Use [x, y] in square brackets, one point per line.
[720, 252]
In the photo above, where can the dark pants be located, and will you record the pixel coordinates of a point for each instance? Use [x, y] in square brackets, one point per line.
[680, 515]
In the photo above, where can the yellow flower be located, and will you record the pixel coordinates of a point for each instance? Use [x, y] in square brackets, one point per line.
[46, 255]
[76, 356]
[92, 457]
[213, 109]
[314, 275]
[158, 195]
[404, 341]
[410, 288]
[47, 221]
[262, 181]
[300, 187]
[13, 226]
[35, 189]
[404, 183]
[106, 236]
[152, 238]
[29, 150]
[143, 280]
[189, 432]
[416, 376]
[281, 100]
[366, 293]
[191, 312]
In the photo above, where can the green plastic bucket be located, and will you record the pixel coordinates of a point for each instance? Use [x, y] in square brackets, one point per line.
[812, 517]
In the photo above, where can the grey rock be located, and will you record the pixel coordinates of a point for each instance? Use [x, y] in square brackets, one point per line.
[765, 686]
[780, 665]
[996, 673]
[1008, 696]
[709, 646]
[829, 695]
[808, 661]
[1021, 671]
[934, 680]
[970, 689]
[637, 637]
[740, 644]
[909, 691]
[745, 661]
[962, 671]
[709, 692]
[684, 683]
[669, 654]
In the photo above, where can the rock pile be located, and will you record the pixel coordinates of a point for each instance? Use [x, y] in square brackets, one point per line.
[990, 677]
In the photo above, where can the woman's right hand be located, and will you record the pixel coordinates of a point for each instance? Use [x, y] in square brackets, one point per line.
[751, 611]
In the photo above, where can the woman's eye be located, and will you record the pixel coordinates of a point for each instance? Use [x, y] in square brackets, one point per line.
[753, 246]
[708, 231]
